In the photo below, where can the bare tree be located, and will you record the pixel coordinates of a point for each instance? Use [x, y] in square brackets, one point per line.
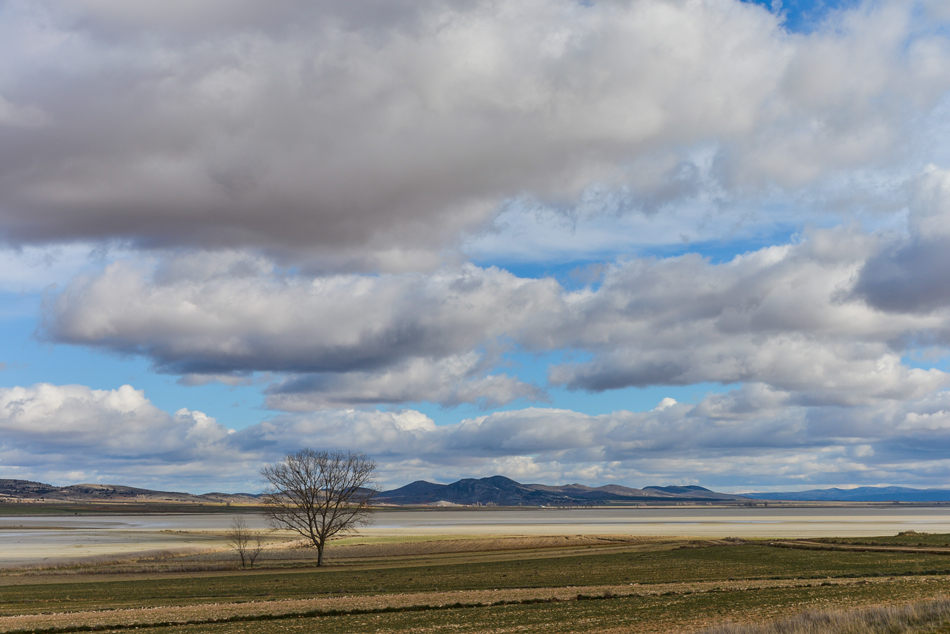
[320, 494]
[246, 542]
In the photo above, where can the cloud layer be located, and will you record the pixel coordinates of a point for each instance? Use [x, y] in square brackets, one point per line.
[372, 137]
[802, 318]
[287, 199]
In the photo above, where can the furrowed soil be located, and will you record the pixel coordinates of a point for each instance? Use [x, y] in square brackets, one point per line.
[557, 584]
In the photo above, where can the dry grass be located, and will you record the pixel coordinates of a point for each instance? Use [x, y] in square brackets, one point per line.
[559, 584]
[491, 544]
[916, 618]
[206, 613]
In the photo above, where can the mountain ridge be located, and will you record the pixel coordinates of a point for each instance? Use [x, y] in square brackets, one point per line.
[493, 490]
[17, 490]
[502, 491]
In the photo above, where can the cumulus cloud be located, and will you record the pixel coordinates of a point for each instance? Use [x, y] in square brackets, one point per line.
[371, 136]
[776, 316]
[294, 187]
[117, 434]
[753, 435]
[77, 416]
[786, 316]
[358, 339]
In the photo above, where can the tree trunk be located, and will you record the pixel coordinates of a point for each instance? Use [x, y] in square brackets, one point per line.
[320, 554]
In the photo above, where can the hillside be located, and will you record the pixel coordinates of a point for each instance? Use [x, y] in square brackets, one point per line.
[26, 490]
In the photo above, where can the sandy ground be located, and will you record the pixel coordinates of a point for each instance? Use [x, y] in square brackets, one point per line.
[57, 541]
[110, 547]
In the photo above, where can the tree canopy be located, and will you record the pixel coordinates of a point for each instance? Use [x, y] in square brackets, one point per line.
[320, 494]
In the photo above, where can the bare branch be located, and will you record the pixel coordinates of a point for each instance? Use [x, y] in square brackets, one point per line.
[320, 494]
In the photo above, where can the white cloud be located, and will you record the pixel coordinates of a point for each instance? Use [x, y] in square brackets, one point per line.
[120, 422]
[69, 433]
[750, 436]
[397, 338]
[451, 381]
[778, 316]
[308, 177]
[786, 316]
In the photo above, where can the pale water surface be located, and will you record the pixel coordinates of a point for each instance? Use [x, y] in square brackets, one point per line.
[26, 539]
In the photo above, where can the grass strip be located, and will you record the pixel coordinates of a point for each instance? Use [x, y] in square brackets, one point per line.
[869, 548]
[438, 574]
[655, 614]
[559, 595]
[307, 614]
[927, 617]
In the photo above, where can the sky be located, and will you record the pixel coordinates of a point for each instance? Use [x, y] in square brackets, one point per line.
[643, 242]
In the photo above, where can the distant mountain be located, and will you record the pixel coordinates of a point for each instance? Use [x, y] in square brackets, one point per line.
[27, 490]
[495, 491]
[693, 491]
[502, 491]
[860, 494]
[24, 489]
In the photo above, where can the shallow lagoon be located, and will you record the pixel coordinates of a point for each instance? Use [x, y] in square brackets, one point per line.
[60, 539]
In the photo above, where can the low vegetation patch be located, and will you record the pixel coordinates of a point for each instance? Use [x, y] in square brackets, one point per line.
[551, 584]
[905, 538]
[923, 618]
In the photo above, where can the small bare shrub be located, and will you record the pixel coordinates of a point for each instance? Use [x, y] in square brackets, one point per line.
[246, 542]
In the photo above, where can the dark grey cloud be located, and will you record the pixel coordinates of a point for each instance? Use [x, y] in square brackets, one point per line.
[370, 135]
[911, 273]
[912, 277]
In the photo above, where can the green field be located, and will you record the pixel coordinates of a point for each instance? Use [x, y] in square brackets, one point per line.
[658, 585]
